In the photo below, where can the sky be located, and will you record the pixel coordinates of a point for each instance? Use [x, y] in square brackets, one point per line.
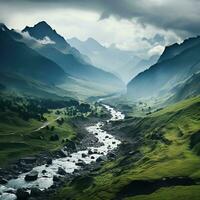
[142, 26]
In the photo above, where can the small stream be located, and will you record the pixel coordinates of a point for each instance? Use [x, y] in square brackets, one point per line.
[69, 163]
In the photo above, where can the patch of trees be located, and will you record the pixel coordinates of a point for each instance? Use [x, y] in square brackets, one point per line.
[28, 108]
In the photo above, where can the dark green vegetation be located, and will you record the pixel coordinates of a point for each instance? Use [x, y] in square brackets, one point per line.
[177, 64]
[162, 145]
[28, 124]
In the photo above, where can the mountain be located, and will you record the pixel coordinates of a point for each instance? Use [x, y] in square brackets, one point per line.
[176, 49]
[168, 72]
[27, 71]
[60, 52]
[133, 68]
[189, 88]
[17, 58]
[42, 31]
[120, 62]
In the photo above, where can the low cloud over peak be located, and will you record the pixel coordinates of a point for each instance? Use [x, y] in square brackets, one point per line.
[138, 25]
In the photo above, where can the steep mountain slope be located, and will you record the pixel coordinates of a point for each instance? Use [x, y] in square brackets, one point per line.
[176, 49]
[190, 88]
[133, 69]
[166, 74]
[122, 63]
[16, 57]
[59, 51]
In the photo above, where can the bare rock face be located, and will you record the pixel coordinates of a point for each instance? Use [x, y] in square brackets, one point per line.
[32, 176]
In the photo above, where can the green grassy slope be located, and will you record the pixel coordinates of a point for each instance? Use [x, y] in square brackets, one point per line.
[168, 145]
[19, 138]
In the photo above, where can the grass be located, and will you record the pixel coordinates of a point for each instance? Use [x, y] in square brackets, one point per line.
[165, 150]
[171, 193]
[19, 138]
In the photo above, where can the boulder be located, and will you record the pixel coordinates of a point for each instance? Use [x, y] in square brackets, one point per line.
[44, 171]
[61, 153]
[81, 163]
[29, 160]
[61, 171]
[49, 161]
[101, 159]
[32, 176]
[22, 194]
[56, 179]
[35, 192]
[111, 155]
[3, 181]
[84, 155]
[70, 145]
[90, 152]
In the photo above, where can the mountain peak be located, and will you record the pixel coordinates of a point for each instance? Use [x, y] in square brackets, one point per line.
[93, 43]
[43, 25]
[3, 27]
[90, 39]
[42, 30]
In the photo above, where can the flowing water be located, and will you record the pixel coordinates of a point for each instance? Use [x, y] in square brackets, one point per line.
[68, 163]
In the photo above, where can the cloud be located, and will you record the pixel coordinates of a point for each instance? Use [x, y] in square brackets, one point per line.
[31, 41]
[46, 40]
[180, 16]
[157, 50]
[142, 26]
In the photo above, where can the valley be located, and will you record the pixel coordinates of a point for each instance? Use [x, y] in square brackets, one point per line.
[99, 102]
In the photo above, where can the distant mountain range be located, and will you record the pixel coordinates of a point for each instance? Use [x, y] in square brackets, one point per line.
[40, 54]
[122, 63]
[177, 64]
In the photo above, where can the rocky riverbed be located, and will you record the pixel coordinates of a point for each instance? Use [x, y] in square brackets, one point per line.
[48, 172]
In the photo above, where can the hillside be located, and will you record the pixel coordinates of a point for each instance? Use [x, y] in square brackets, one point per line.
[190, 88]
[158, 151]
[27, 71]
[176, 49]
[16, 57]
[59, 51]
[165, 75]
[124, 64]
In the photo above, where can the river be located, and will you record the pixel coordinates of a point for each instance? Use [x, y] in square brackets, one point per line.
[69, 163]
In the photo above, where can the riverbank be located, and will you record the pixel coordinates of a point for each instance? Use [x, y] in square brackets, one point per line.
[161, 156]
[72, 161]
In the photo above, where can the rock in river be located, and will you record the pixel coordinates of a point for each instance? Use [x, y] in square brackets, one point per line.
[32, 176]
[49, 161]
[84, 155]
[101, 159]
[81, 163]
[61, 171]
[35, 192]
[3, 181]
[22, 194]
